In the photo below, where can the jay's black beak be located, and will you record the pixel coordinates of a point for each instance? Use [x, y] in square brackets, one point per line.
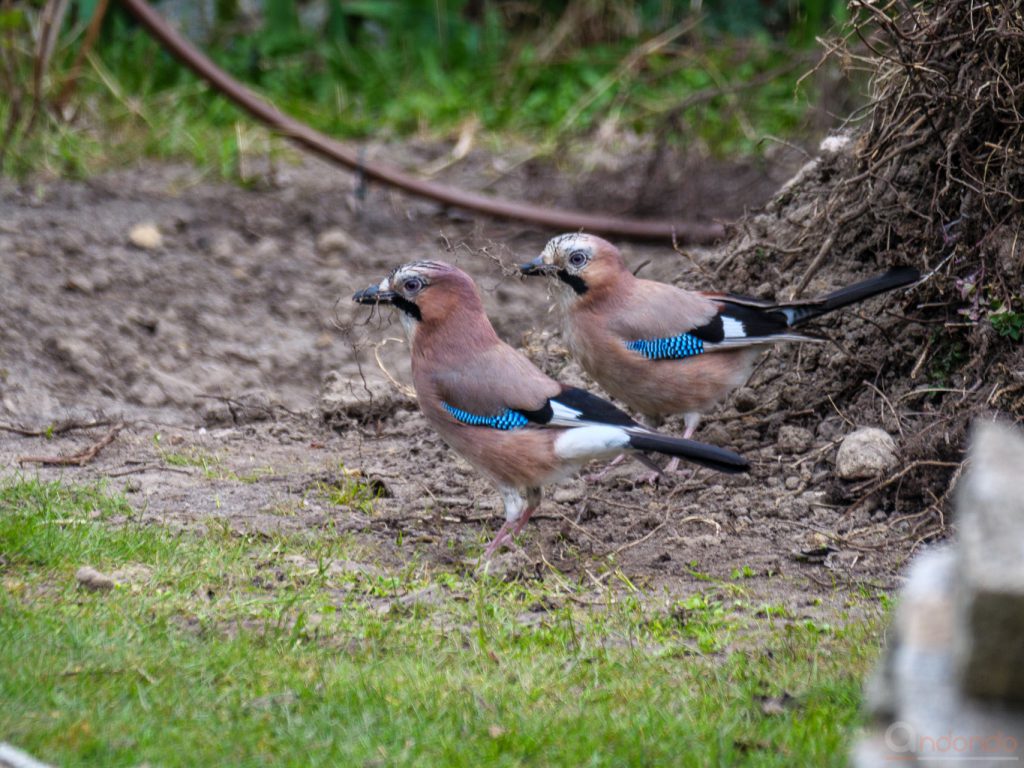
[535, 267]
[374, 295]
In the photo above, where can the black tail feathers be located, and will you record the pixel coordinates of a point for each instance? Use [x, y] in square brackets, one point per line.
[895, 278]
[699, 453]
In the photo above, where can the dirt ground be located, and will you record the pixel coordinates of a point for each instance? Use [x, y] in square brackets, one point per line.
[249, 382]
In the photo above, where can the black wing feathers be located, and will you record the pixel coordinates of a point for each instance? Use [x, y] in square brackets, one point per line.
[757, 321]
[799, 312]
[699, 453]
[540, 416]
[594, 408]
[894, 278]
[763, 318]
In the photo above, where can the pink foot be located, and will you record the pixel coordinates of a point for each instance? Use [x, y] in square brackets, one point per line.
[672, 468]
[648, 478]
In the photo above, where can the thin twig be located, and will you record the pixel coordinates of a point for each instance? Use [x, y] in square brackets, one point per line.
[91, 35]
[405, 390]
[79, 459]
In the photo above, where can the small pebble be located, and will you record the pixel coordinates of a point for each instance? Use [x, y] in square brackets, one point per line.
[146, 236]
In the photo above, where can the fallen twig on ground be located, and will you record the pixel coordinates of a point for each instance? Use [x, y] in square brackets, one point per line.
[79, 459]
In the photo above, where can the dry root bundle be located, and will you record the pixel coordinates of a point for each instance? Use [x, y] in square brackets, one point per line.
[930, 173]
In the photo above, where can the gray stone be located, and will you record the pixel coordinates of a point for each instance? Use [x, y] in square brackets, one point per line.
[79, 282]
[93, 580]
[990, 594]
[865, 453]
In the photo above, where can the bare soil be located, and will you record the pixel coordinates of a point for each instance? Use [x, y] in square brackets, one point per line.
[250, 383]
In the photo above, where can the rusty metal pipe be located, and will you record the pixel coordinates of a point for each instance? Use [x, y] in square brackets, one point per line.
[325, 147]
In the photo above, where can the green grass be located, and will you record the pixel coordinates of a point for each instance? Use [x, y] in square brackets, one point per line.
[210, 465]
[350, 491]
[255, 652]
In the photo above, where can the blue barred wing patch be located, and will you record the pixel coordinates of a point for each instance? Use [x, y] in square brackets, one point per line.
[670, 348]
[508, 420]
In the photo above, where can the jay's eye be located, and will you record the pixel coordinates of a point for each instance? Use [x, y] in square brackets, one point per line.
[412, 285]
[577, 259]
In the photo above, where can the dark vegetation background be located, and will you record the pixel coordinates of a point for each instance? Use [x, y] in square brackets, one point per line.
[717, 77]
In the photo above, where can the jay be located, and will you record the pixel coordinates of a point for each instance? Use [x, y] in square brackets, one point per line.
[663, 350]
[517, 426]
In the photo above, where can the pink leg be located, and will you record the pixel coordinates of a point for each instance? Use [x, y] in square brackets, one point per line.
[507, 531]
[499, 539]
[521, 522]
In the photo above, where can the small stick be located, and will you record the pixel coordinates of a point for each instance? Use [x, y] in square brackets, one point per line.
[79, 459]
[641, 540]
[149, 468]
[895, 415]
[920, 360]
[689, 257]
[405, 390]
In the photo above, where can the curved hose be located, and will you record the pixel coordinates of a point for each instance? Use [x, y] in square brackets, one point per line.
[318, 143]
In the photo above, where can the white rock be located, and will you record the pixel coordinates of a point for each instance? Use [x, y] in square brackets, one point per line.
[146, 236]
[866, 453]
[833, 145]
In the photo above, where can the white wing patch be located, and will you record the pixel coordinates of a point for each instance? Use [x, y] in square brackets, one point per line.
[563, 414]
[733, 328]
[585, 443]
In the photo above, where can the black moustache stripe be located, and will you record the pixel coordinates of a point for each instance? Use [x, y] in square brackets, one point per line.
[573, 281]
[408, 307]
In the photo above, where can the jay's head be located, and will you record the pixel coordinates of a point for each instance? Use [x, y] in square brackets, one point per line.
[582, 263]
[424, 291]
